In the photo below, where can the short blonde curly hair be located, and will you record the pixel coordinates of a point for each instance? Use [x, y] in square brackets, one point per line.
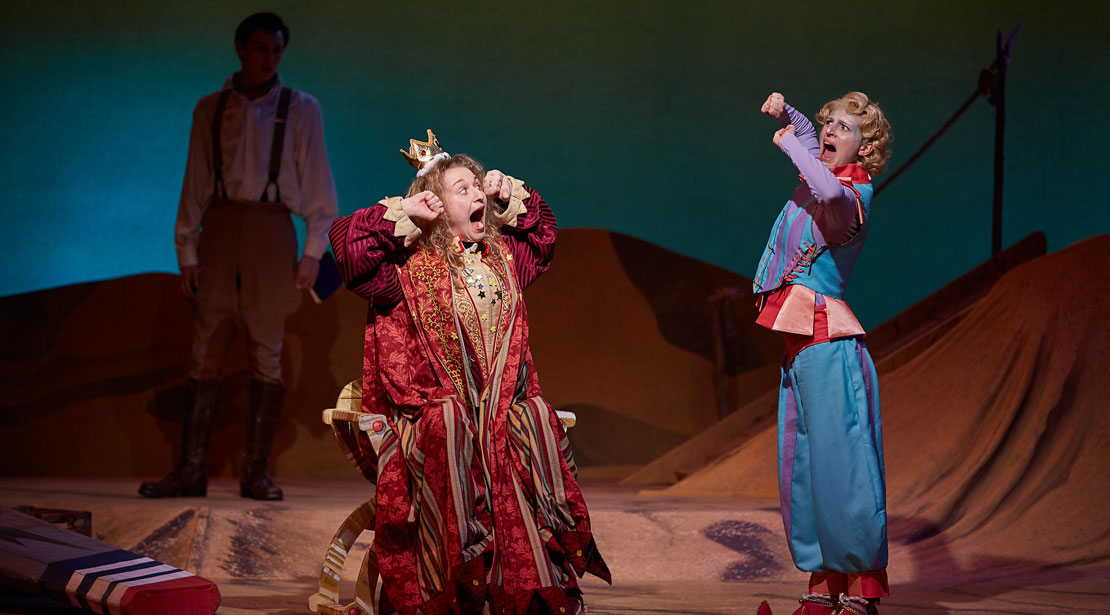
[873, 127]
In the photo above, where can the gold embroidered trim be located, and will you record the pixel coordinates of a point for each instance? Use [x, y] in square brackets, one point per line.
[468, 318]
[484, 321]
[422, 268]
[499, 268]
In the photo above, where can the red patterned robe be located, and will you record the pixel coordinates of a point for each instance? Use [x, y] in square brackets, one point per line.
[476, 493]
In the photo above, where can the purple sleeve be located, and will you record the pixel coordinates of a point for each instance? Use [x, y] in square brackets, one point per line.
[532, 241]
[803, 129]
[366, 252]
[841, 212]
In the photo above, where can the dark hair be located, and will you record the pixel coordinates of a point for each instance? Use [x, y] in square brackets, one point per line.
[261, 21]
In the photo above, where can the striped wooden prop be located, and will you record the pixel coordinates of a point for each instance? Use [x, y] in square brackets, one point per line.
[348, 423]
[38, 557]
[326, 599]
[352, 427]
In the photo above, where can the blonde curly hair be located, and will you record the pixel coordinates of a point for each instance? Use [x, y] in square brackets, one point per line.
[873, 127]
[439, 237]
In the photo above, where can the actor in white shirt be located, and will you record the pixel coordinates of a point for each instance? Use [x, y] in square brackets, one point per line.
[237, 249]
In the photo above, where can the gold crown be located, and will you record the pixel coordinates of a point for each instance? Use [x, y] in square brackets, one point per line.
[421, 152]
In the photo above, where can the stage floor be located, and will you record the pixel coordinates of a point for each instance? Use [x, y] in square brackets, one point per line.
[668, 555]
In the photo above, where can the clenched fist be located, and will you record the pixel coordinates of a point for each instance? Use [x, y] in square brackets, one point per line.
[774, 105]
[423, 208]
[498, 185]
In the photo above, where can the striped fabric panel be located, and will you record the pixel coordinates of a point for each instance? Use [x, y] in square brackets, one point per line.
[461, 450]
[430, 559]
[406, 439]
[554, 445]
[459, 488]
[539, 449]
[431, 556]
[530, 449]
[390, 444]
[431, 552]
[568, 456]
[548, 573]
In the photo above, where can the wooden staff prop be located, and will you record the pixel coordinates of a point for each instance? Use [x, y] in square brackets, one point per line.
[40, 558]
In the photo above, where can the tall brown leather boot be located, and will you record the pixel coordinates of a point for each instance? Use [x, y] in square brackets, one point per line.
[190, 478]
[266, 400]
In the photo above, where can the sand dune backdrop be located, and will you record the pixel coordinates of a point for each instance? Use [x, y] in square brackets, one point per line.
[995, 425]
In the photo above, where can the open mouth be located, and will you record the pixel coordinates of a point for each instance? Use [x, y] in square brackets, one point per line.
[828, 151]
[478, 219]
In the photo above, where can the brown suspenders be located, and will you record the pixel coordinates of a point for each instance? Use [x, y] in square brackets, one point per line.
[276, 146]
[278, 143]
[218, 189]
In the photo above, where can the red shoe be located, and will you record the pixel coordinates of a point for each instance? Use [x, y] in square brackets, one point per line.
[809, 604]
[816, 604]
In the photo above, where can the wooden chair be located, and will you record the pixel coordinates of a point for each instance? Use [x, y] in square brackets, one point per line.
[360, 436]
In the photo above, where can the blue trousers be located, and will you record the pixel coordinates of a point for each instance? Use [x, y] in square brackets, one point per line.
[832, 485]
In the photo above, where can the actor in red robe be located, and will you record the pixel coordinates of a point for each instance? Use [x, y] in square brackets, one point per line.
[477, 500]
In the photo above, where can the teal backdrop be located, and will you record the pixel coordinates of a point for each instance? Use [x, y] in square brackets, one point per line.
[637, 117]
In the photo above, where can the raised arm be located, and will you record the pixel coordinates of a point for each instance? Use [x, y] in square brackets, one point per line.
[824, 186]
[529, 232]
[803, 129]
[366, 250]
[776, 107]
[842, 212]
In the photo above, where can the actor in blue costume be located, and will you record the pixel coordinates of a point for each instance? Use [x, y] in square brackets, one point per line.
[831, 479]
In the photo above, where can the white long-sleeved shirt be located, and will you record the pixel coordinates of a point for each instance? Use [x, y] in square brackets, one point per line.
[246, 134]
